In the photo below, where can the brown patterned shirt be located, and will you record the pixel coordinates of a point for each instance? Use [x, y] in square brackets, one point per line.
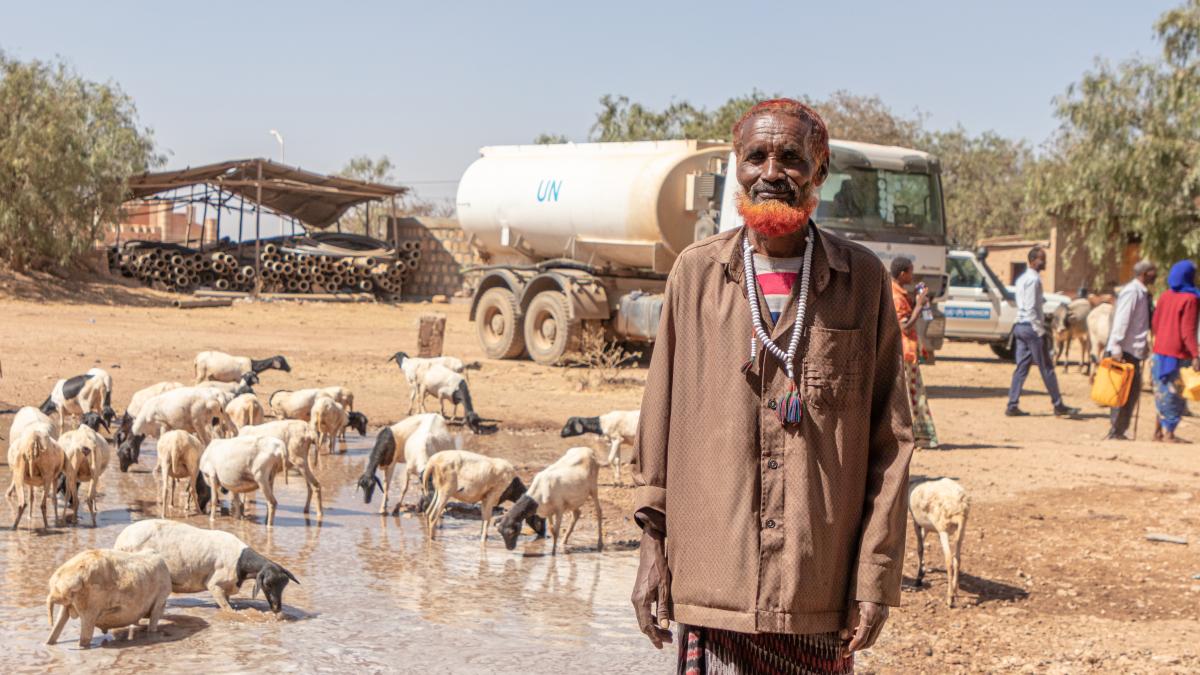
[774, 529]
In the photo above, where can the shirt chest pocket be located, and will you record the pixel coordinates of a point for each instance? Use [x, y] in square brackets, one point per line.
[833, 369]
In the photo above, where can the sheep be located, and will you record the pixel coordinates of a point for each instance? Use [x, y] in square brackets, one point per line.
[80, 394]
[108, 589]
[245, 410]
[1099, 325]
[1069, 323]
[420, 436]
[29, 416]
[87, 455]
[101, 375]
[135, 406]
[222, 367]
[942, 506]
[36, 460]
[472, 478]
[447, 385]
[243, 385]
[178, 459]
[412, 367]
[328, 418]
[616, 427]
[561, 487]
[197, 410]
[211, 560]
[241, 464]
[297, 404]
[298, 437]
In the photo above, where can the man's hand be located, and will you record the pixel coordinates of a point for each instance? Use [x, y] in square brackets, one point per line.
[651, 588]
[864, 622]
[1114, 353]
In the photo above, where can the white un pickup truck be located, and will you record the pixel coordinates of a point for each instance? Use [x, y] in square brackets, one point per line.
[979, 308]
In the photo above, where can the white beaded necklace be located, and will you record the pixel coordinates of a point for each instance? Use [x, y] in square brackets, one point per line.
[791, 409]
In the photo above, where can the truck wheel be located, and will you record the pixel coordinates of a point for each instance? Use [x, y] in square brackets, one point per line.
[498, 325]
[549, 332]
[1003, 351]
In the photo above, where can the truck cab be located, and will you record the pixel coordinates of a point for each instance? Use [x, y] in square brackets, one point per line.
[979, 307]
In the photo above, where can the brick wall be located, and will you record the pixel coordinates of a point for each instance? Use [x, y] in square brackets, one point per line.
[445, 250]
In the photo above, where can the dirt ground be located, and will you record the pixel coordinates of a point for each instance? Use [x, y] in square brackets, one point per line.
[1057, 573]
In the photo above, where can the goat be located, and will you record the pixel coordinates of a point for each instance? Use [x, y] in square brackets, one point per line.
[328, 419]
[222, 367]
[241, 464]
[447, 385]
[1099, 325]
[616, 427]
[209, 560]
[561, 487]
[420, 436]
[412, 367]
[1069, 324]
[298, 438]
[108, 589]
[472, 478]
[197, 410]
[178, 459]
[942, 506]
[245, 410]
[86, 455]
[36, 460]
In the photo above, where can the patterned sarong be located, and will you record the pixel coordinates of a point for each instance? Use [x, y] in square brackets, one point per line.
[710, 651]
[923, 432]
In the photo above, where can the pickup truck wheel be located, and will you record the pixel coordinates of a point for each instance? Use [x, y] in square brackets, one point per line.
[1003, 351]
[498, 324]
[549, 331]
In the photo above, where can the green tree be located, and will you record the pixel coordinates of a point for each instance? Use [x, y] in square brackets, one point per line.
[984, 182]
[1125, 163]
[380, 170]
[67, 148]
[550, 139]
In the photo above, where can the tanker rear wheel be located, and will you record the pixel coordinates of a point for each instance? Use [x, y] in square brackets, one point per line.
[498, 324]
[550, 334]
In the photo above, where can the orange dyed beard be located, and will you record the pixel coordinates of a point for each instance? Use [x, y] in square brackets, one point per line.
[774, 218]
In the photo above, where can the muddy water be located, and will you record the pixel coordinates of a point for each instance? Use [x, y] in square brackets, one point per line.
[375, 594]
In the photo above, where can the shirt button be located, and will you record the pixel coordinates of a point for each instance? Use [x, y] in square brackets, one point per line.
[771, 404]
[770, 524]
[772, 464]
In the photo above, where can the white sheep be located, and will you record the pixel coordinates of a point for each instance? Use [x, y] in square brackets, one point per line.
[297, 405]
[414, 366]
[87, 455]
[942, 506]
[135, 406]
[447, 385]
[328, 419]
[36, 460]
[241, 464]
[245, 410]
[222, 367]
[101, 375]
[298, 438]
[28, 417]
[211, 560]
[243, 385]
[178, 459]
[561, 487]
[196, 410]
[419, 436]
[108, 589]
[616, 428]
[472, 478]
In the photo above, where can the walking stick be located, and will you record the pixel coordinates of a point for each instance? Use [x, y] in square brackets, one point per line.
[1137, 407]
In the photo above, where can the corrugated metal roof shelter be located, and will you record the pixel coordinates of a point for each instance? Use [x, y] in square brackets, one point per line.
[314, 199]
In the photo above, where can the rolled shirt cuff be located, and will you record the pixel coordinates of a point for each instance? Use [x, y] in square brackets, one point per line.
[647, 498]
[878, 584]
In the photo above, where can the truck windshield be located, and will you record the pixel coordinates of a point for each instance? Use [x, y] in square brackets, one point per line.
[873, 201]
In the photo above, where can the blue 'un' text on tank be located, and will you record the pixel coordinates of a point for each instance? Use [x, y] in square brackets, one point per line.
[548, 190]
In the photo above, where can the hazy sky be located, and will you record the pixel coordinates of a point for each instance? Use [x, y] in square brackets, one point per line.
[429, 83]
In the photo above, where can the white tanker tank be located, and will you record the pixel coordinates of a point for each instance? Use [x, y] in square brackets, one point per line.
[610, 205]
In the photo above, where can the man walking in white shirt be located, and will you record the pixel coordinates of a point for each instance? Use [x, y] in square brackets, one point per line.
[1029, 333]
[1129, 340]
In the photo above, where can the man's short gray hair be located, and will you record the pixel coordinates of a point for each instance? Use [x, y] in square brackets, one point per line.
[1141, 267]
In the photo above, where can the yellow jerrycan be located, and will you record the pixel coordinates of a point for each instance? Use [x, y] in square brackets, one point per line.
[1114, 381]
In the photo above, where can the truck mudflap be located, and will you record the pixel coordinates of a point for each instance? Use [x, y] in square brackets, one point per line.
[637, 316]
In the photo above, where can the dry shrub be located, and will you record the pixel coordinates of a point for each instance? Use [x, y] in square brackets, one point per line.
[599, 361]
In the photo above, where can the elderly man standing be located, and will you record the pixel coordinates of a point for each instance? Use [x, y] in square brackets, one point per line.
[772, 456]
[1030, 334]
[1129, 340]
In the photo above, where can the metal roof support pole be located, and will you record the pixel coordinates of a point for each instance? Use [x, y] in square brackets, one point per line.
[241, 214]
[257, 230]
[219, 208]
[394, 225]
[203, 218]
[367, 221]
[187, 237]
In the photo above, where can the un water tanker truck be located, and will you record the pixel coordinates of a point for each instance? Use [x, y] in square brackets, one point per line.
[583, 235]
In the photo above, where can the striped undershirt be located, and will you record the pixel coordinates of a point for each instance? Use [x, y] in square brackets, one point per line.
[776, 276]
